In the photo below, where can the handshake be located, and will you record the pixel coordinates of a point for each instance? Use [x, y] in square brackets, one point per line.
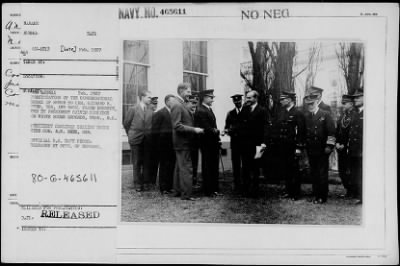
[198, 130]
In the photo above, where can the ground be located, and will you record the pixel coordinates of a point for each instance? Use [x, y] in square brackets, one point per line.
[269, 208]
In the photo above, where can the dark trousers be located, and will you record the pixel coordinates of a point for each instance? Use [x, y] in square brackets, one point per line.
[237, 160]
[167, 166]
[319, 165]
[344, 169]
[271, 162]
[153, 164]
[141, 165]
[183, 173]
[210, 167]
[289, 170]
[251, 171]
[356, 176]
[195, 163]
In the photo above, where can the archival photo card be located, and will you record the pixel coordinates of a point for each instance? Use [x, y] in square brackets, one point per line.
[184, 133]
[289, 183]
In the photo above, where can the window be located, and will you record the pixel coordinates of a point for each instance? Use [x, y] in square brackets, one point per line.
[195, 64]
[136, 64]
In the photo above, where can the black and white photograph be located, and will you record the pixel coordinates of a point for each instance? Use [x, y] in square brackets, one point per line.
[200, 133]
[242, 131]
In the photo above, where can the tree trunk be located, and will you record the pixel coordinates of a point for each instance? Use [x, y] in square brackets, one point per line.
[354, 82]
[284, 69]
[258, 59]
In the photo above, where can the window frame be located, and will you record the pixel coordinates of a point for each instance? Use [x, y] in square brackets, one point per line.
[191, 72]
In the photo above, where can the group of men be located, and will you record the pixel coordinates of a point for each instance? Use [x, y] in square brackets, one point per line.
[187, 124]
[291, 132]
[168, 141]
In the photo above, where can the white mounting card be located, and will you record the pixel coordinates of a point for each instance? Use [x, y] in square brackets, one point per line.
[73, 77]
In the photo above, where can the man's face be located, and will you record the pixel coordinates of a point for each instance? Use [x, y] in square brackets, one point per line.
[208, 100]
[312, 106]
[347, 105]
[186, 93]
[238, 103]
[146, 99]
[153, 106]
[170, 102]
[359, 101]
[285, 102]
[191, 106]
[250, 98]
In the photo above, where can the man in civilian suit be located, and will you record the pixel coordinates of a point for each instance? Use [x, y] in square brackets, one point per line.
[151, 149]
[209, 143]
[252, 134]
[183, 131]
[232, 124]
[162, 141]
[137, 125]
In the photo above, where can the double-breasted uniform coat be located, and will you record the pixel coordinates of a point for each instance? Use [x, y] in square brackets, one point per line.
[320, 132]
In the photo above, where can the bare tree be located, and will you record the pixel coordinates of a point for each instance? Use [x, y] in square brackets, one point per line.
[314, 61]
[272, 65]
[351, 62]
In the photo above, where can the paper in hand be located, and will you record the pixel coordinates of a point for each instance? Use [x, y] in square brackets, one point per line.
[259, 152]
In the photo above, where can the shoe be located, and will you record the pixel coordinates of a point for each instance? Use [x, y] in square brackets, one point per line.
[140, 189]
[358, 202]
[165, 192]
[216, 194]
[189, 198]
[177, 194]
[319, 201]
[293, 198]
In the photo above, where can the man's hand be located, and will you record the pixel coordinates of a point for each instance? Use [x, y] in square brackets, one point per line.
[339, 146]
[198, 130]
[263, 146]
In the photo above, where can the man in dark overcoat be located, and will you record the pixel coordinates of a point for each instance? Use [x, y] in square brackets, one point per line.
[290, 126]
[342, 140]
[252, 133]
[232, 124]
[162, 141]
[209, 143]
[320, 141]
[356, 146]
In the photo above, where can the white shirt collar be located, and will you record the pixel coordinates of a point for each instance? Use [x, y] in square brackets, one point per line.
[238, 110]
[253, 106]
[361, 109]
[316, 111]
[179, 97]
[142, 105]
[290, 107]
[169, 110]
[208, 107]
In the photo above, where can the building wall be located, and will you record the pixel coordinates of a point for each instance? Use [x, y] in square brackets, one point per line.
[166, 72]
[166, 67]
